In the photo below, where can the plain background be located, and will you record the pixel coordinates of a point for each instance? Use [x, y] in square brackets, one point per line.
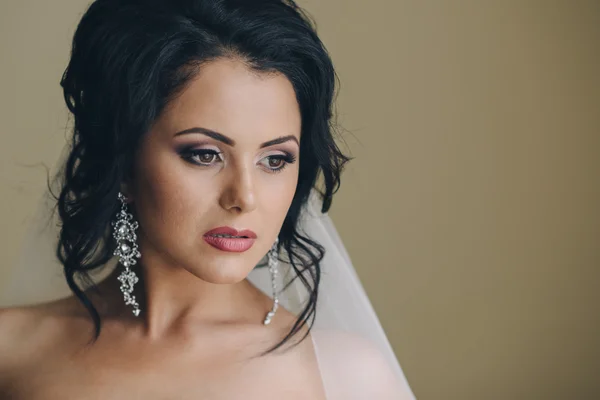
[471, 208]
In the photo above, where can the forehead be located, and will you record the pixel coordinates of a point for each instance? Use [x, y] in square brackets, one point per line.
[228, 97]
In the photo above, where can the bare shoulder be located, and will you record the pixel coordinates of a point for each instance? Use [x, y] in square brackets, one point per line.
[354, 367]
[16, 325]
[25, 330]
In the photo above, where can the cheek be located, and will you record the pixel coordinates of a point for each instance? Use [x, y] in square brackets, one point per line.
[171, 199]
[279, 194]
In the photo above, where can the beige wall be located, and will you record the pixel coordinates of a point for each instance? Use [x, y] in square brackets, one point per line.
[471, 209]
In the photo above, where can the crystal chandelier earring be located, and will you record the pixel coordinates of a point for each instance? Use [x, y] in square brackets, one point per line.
[127, 249]
[272, 256]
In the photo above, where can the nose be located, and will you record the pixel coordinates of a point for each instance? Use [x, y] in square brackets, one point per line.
[238, 194]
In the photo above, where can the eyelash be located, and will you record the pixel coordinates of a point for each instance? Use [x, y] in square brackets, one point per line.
[189, 155]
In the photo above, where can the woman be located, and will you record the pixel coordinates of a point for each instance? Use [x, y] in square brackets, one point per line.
[200, 129]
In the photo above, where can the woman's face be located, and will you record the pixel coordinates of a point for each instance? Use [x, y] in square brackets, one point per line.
[223, 154]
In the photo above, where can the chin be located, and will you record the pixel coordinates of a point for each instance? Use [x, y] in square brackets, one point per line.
[224, 273]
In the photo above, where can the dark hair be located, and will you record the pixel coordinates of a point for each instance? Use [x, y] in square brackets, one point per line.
[129, 59]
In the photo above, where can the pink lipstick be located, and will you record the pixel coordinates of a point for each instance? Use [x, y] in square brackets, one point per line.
[226, 238]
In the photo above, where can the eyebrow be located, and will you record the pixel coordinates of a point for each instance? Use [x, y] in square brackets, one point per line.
[230, 142]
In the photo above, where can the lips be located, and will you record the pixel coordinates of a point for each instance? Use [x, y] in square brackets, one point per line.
[226, 238]
[226, 230]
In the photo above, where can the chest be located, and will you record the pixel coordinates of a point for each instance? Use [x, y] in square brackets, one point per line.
[75, 386]
[210, 375]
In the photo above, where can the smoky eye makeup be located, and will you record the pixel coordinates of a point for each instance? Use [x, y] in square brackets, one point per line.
[277, 162]
[203, 155]
[208, 155]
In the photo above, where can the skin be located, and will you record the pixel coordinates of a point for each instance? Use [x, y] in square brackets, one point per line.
[201, 321]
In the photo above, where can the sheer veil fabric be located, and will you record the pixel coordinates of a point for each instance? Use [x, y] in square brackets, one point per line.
[353, 352]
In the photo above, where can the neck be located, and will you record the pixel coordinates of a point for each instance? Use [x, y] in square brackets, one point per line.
[171, 298]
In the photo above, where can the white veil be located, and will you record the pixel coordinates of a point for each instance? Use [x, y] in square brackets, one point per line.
[352, 349]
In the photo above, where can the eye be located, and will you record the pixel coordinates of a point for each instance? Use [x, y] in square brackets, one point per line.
[205, 157]
[276, 163]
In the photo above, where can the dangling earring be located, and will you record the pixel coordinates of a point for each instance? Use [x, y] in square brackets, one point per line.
[272, 255]
[127, 249]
